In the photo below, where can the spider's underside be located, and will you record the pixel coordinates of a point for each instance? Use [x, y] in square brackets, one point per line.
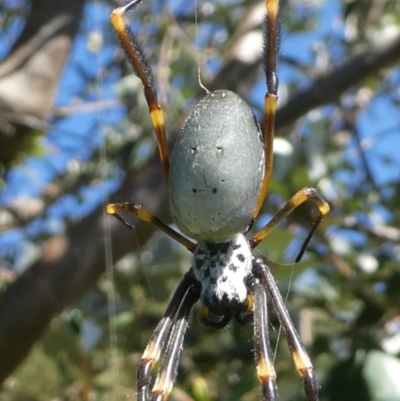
[219, 172]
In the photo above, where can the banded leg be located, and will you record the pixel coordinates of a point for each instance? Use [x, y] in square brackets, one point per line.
[270, 52]
[262, 349]
[169, 367]
[153, 349]
[143, 71]
[294, 202]
[301, 359]
[143, 214]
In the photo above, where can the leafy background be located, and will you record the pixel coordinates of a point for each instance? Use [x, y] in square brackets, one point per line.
[81, 294]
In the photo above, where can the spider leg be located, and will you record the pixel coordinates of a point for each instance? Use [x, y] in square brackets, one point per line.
[169, 366]
[294, 202]
[262, 349]
[152, 352]
[145, 215]
[270, 52]
[301, 359]
[143, 71]
[243, 318]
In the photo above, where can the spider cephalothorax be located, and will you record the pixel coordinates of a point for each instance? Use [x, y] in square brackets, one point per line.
[222, 270]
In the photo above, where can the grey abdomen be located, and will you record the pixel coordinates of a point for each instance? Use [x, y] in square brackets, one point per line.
[216, 170]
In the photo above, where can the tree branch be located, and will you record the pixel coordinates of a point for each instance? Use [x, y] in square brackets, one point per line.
[29, 75]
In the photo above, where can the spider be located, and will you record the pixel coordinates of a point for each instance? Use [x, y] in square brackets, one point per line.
[218, 176]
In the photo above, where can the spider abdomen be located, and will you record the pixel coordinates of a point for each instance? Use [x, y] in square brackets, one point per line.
[217, 166]
[222, 270]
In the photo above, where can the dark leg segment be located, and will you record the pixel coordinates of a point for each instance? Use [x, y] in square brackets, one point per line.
[270, 53]
[262, 349]
[299, 354]
[169, 367]
[294, 202]
[145, 215]
[138, 61]
[152, 352]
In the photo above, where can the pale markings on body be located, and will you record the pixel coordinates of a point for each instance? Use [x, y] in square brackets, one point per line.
[222, 270]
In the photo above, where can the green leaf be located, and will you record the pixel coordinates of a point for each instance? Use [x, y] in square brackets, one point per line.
[382, 374]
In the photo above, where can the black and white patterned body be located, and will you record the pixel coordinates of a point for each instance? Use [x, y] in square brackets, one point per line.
[223, 270]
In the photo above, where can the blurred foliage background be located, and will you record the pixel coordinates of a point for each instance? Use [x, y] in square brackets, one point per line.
[80, 294]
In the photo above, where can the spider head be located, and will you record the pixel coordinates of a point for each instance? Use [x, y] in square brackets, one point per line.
[222, 269]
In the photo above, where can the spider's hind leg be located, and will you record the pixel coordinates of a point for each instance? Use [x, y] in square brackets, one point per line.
[138, 60]
[270, 54]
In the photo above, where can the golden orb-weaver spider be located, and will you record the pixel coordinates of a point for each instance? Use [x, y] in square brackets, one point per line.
[218, 175]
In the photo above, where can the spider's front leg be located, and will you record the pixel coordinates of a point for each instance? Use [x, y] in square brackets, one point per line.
[299, 354]
[171, 329]
[262, 348]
